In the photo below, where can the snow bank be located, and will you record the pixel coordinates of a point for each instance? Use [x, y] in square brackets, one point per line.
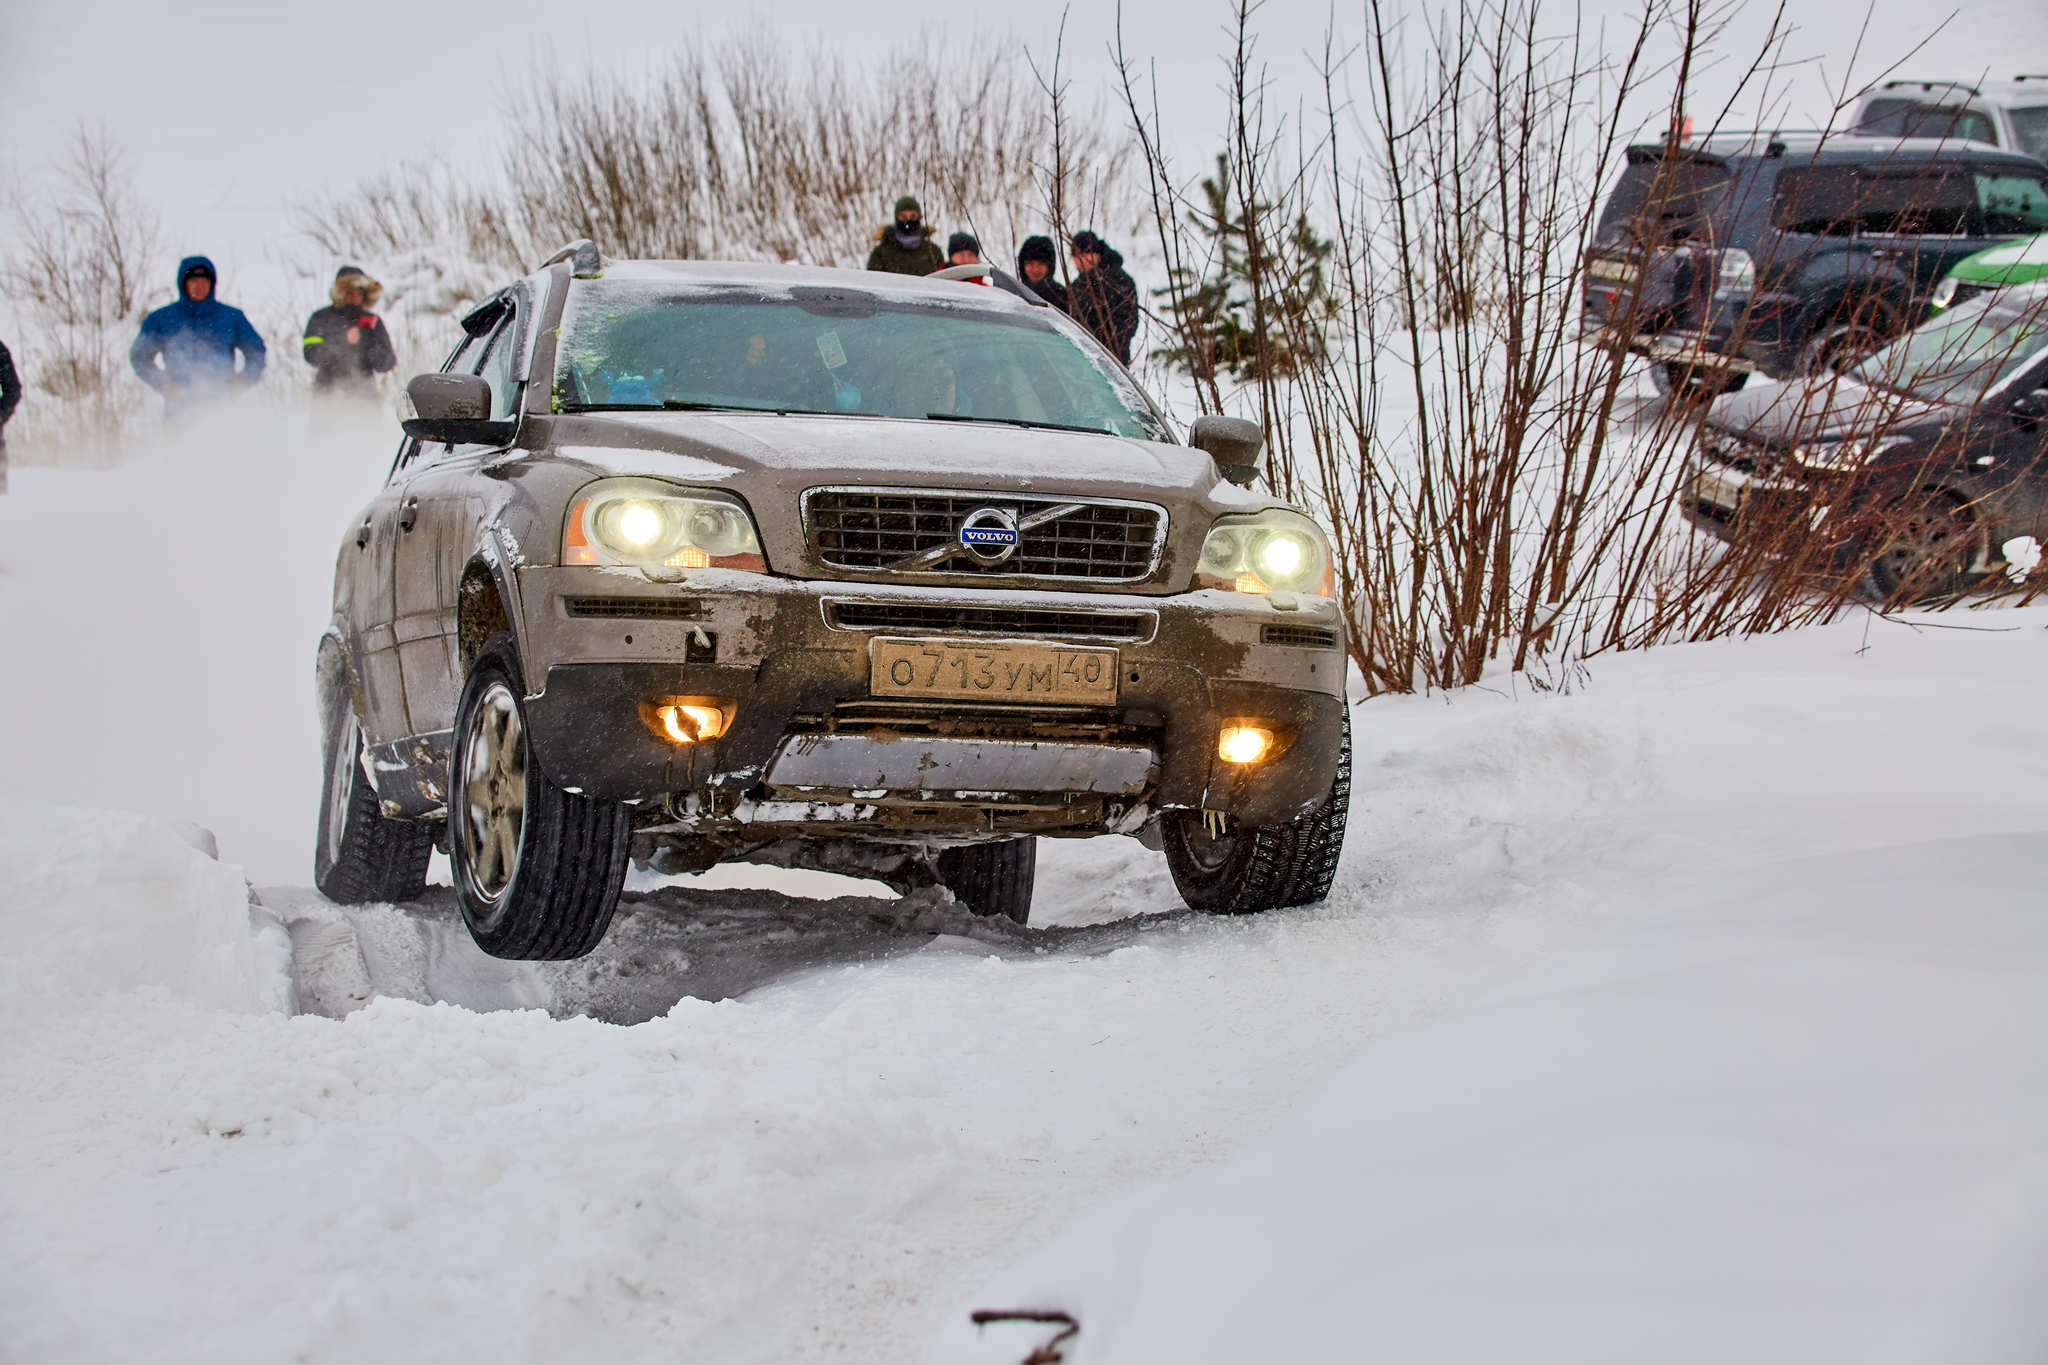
[99, 904]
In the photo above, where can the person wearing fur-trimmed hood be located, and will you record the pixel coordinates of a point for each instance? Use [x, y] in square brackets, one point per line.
[345, 342]
[905, 247]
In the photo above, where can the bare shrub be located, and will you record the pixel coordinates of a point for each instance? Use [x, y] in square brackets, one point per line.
[76, 276]
[746, 152]
[1498, 490]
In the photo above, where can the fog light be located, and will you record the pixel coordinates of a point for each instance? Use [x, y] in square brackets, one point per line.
[1244, 743]
[688, 722]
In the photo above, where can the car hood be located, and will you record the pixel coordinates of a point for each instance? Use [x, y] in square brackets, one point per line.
[1823, 410]
[799, 452]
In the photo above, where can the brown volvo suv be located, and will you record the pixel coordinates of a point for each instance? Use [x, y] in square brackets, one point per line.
[690, 562]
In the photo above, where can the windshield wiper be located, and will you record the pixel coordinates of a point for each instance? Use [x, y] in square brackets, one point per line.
[688, 405]
[1016, 422]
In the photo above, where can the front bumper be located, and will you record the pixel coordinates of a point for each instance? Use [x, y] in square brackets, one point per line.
[810, 742]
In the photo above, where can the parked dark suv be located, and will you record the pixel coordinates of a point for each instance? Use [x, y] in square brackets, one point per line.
[699, 561]
[1791, 254]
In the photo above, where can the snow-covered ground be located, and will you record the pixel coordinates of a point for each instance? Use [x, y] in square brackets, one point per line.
[1699, 1010]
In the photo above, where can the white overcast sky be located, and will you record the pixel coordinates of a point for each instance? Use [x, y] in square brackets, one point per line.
[235, 110]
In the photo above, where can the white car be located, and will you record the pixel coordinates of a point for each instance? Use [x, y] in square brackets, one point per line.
[2012, 114]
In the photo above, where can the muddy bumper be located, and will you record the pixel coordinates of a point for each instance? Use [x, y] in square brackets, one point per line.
[815, 733]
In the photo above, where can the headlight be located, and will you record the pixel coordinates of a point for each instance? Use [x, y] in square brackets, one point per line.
[1944, 294]
[1275, 551]
[646, 523]
[1842, 456]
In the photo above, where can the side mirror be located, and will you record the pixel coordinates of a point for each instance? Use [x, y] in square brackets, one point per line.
[1233, 443]
[455, 408]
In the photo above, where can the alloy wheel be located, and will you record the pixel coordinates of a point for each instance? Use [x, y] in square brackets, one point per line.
[493, 824]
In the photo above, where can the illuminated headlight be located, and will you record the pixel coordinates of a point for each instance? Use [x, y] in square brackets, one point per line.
[1843, 456]
[1944, 294]
[1275, 551]
[648, 524]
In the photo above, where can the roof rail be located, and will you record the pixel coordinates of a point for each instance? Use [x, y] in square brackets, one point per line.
[583, 258]
[1963, 86]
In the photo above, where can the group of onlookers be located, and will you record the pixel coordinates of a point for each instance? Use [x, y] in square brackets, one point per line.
[1101, 295]
[196, 348]
[188, 349]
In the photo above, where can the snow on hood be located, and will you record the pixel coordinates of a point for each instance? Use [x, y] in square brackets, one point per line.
[883, 451]
[1779, 414]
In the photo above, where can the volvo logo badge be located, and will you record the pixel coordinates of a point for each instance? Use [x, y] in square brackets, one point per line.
[989, 534]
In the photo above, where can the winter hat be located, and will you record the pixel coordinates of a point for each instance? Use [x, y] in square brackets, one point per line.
[962, 241]
[195, 265]
[1088, 242]
[355, 277]
[1037, 249]
[908, 204]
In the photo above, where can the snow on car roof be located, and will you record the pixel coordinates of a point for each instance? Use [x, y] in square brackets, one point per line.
[773, 276]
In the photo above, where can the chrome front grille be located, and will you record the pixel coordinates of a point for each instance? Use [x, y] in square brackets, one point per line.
[883, 530]
[945, 618]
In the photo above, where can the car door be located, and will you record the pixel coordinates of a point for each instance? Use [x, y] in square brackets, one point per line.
[437, 533]
[370, 614]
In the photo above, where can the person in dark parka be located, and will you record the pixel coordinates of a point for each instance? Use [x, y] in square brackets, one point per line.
[186, 350]
[905, 247]
[345, 342]
[10, 399]
[1037, 264]
[1103, 297]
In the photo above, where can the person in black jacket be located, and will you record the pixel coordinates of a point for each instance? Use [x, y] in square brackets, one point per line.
[10, 398]
[1037, 265]
[1103, 297]
[345, 342]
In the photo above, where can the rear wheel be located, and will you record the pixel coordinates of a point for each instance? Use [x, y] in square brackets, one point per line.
[1930, 549]
[1835, 348]
[1691, 384]
[1245, 869]
[537, 869]
[360, 856]
[992, 879]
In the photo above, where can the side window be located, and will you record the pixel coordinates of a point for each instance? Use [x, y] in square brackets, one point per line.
[1907, 201]
[1819, 201]
[1919, 202]
[496, 367]
[2012, 202]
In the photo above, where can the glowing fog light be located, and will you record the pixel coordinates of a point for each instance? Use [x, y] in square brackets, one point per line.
[1244, 743]
[689, 722]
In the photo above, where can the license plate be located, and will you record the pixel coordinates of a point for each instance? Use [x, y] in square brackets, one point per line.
[991, 670]
[1611, 272]
[1727, 491]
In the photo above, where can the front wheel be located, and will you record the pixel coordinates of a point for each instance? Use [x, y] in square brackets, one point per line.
[537, 869]
[1246, 869]
[1928, 550]
[360, 856]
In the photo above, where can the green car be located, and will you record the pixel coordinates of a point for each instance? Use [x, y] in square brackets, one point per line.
[2008, 263]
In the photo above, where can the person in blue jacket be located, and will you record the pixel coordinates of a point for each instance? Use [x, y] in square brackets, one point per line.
[186, 350]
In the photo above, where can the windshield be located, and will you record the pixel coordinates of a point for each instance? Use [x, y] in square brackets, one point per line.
[2030, 131]
[629, 344]
[1960, 355]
